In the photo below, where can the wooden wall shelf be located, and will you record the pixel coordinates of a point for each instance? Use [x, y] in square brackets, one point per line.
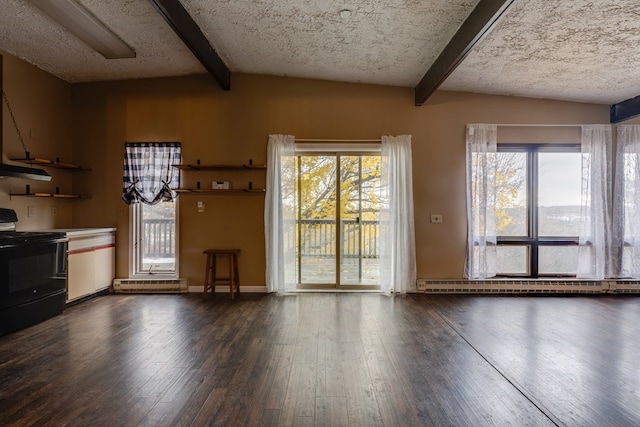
[54, 195]
[57, 164]
[221, 192]
[220, 167]
[198, 167]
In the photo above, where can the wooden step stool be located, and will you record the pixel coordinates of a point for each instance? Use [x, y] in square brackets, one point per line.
[211, 279]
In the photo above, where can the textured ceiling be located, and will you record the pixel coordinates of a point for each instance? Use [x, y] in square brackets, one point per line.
[29, 34]
[583, 50]
[390, 42]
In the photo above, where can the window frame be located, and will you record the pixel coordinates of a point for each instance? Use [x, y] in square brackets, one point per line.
[623, 271]
[136, 248]
[336, 150]
[533, 241]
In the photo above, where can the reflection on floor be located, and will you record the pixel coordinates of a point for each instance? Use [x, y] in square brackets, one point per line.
[358, 359]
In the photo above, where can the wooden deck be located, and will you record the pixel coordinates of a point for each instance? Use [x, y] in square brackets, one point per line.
[327, 359]
[323, 270]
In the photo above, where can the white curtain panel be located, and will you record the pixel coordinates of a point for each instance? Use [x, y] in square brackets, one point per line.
[397, 236]
[627, 203]
[595, 242]
[482, 150]
[279, 219]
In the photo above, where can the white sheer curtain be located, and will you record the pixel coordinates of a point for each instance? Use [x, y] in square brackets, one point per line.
[482, 149]
[627, 203]
[594, 251]
[279, 218]
[397, 245]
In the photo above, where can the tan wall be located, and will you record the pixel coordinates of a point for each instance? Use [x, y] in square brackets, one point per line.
[42, 107]
[232, 127]
[631, 121]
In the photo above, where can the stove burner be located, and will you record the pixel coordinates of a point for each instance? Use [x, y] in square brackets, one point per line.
[9, 237]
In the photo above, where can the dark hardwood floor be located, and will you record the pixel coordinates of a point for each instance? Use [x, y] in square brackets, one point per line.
[327, 359]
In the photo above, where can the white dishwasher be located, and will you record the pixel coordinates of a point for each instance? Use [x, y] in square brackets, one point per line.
[90, 261]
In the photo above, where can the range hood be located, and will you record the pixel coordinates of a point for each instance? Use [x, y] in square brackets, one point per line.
[24, 172]
[13, 171]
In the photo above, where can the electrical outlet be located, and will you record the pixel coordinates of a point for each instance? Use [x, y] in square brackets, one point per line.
[31, 211]
[54, 211]
[200, 205]
[436, 219]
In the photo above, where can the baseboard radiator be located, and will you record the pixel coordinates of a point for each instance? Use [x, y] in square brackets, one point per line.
[151, 286]
[540, 286]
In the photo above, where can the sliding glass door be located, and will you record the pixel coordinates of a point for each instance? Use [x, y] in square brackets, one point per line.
[359, 219]
[316, 219]
[337, 220]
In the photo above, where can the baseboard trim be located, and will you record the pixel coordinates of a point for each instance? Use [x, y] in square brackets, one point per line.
[539, 286]
[99, 293]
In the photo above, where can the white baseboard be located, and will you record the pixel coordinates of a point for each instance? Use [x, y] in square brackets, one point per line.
[528, 286]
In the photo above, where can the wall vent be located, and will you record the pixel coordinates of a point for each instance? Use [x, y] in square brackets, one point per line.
[151, 286]
[514, 286]
[624, 286]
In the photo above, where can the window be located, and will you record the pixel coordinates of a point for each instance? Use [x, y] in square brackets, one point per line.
[627, 213]
[546, 182]
[154, 238]
[538, 207]
[148, 179]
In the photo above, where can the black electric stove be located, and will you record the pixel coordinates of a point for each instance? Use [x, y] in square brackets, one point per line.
[13, 238]
[32, 274]
[9, 235]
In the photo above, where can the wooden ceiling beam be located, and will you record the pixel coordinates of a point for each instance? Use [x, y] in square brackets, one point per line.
[625, 110]
[477, 25]
[186, 28]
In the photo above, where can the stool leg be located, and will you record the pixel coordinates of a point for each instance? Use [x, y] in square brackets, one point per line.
[236, 273]
[214, 277]
[207, 274]
[231, 278]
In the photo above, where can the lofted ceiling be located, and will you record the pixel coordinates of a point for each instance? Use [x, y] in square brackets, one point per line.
[579, 50]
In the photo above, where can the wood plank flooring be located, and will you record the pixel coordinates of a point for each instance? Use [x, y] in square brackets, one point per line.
[327, 359]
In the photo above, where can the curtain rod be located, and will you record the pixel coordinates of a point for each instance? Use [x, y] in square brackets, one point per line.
[335, 140]
[524, 125]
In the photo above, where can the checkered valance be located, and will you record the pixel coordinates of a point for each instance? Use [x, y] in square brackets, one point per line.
[148, 172]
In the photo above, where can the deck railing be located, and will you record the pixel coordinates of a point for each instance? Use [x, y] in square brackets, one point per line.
[318, 238]
[159, 238]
